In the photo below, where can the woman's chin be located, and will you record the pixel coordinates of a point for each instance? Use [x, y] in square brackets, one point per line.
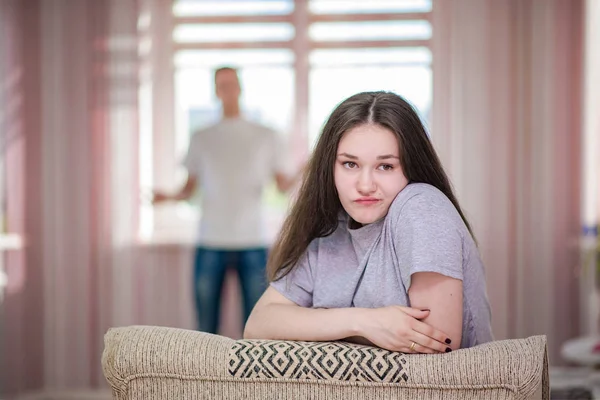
[365, 218]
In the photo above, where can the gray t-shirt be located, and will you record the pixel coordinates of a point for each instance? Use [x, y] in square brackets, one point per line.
[371, 266]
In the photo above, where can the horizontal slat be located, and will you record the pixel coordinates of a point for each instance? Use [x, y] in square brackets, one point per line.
[326, 66]
[367, 65]
[369, 17]
[370, 44]
[233, 19]
[313, 45]
[233, 45]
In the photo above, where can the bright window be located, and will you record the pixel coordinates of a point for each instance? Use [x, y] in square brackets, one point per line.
[376, 30]
[244, 32]
[296, 60]
[371, 56]
[369, 6]
[189, 59]
[190, 8]
[267, 97]
[330, 85]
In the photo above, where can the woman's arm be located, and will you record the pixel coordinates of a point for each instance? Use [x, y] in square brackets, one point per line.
[276, 317]
[444, 297]
[393, 328]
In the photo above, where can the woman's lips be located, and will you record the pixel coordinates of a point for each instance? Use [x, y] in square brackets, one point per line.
[367, 201]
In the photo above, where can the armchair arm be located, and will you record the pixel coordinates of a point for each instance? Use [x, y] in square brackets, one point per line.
[150, 351]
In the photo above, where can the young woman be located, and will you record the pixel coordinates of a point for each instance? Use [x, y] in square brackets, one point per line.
[376, 248]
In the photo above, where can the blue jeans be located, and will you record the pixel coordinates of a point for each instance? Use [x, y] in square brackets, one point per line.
[210, 266]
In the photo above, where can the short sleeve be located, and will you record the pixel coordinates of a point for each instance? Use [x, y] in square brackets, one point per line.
[282, 160]
[192, 161]
[298, 285]
[428, 237]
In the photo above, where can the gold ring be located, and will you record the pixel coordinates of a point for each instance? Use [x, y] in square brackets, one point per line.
[412, 346]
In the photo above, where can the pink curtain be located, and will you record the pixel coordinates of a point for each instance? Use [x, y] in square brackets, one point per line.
[21, 331]
[73, 178]
[74, 64]
[506, 120]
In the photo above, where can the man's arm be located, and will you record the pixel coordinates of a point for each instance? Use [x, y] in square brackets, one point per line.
[285, 182]
[183, 194]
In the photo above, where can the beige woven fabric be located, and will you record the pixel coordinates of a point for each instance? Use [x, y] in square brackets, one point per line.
[164, 363]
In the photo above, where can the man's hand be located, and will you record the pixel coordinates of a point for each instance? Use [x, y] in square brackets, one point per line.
[184, 193]
[285, 183]
[160, 197]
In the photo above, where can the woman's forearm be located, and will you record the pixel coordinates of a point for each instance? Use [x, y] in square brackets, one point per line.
[291, 322]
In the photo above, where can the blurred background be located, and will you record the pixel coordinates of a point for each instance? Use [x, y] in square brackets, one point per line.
[98, 101]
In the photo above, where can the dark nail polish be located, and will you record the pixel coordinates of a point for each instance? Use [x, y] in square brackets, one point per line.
[448, 341]
[426, 309]
[448, 349]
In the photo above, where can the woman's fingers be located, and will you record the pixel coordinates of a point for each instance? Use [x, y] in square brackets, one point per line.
[433, 346]
[429, 331]
[416, 348]
[395, 327]
[414, 312]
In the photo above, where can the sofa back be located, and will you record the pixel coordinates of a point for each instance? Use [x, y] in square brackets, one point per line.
[148, 363]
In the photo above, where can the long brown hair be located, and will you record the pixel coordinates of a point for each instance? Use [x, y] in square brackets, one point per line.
[315, 212]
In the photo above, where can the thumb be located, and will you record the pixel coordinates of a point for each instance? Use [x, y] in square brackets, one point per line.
[416, 312]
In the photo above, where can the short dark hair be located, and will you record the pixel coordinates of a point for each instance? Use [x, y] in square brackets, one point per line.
[224, 68]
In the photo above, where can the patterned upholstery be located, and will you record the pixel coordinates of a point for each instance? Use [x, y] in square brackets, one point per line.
[313, 360]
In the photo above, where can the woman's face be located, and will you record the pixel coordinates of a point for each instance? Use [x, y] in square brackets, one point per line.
[367, 172]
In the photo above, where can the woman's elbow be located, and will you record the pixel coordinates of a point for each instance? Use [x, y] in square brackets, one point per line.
[247, 333]
[249, 329]
[250, 333]
[252, 329]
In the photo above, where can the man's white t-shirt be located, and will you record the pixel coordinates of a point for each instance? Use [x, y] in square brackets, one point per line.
[233, 161]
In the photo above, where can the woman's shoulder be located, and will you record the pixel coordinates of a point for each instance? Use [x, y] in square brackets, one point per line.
[422, 201]
[415, 194]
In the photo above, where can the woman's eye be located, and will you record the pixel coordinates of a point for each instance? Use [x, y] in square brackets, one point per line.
[386, 167]
[349, 164]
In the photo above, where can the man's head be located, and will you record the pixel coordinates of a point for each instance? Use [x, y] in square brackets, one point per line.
[227, 87]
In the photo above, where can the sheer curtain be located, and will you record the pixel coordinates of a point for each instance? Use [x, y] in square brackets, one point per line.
[74, 190]
[78, 61]
[507, 122]
[21, 335]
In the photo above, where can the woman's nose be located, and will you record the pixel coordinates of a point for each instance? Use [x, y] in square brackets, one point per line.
[366, 183]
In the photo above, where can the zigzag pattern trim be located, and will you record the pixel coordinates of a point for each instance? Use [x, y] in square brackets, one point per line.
[317, 361]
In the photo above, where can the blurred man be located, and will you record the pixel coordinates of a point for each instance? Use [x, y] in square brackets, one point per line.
[231, 162]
